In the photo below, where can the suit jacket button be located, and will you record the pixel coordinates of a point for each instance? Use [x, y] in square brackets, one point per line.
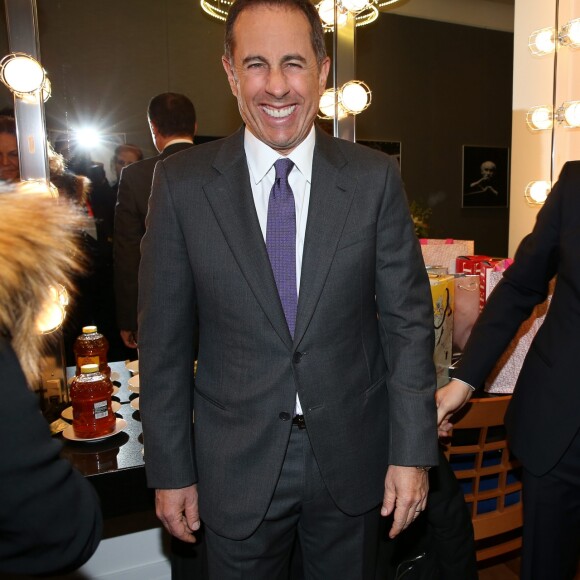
[297, 357]
[284, 416]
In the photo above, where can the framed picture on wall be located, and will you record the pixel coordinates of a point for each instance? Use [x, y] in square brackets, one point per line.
[389, 147]
[485, 176]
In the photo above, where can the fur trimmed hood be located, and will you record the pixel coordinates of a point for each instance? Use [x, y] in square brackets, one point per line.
[38, 250]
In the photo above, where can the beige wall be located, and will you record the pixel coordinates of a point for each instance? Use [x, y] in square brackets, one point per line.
[533, 85]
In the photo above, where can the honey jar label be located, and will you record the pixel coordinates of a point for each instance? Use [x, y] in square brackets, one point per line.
[87, 360]
[101, 410]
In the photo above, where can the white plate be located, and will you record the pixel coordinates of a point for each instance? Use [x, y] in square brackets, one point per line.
[135, 403]
[133, 384]
[132, 366]
[69, 433]
[68, 412]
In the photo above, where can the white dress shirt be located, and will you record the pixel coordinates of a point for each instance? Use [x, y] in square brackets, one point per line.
[261, 159]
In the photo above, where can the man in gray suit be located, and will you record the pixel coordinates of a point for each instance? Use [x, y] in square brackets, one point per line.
[314, 388]
[173, 125]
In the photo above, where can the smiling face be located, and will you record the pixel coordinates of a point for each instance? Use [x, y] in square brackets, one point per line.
[275, 75]
[9, 164]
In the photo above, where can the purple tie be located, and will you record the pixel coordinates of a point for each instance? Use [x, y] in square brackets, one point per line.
[281, 240]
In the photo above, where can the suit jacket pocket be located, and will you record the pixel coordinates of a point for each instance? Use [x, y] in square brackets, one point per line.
[369, 392]
[210, 400]
[365, 234]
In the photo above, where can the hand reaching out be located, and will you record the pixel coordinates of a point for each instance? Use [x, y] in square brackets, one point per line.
[449, 399]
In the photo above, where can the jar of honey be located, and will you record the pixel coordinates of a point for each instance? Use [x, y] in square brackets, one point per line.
[90, 394]
[91, 347]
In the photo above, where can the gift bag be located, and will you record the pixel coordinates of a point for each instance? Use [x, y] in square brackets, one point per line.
[466, 309]
[444, 252]
[507, 369]
[470, 264]
[442, 291]
[490, 274]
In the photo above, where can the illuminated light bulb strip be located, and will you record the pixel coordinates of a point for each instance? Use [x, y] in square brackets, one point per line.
[542, 117]
[216, 8]
[543, 41]
[364, 11]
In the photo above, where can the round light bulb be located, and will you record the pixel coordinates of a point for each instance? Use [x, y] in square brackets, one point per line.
[572, 114]
[541, 118]
[23, 74]
[538, 191]
[355, 5]
[53, 312]
[326, 13]
[327, 103]
[574, 32]
[354, 97]
[544, 41]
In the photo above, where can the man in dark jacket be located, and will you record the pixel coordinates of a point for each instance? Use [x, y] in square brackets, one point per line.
[173, 125]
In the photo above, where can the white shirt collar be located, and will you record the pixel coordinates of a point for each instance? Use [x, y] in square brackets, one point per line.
[261, 157]
[178, 140]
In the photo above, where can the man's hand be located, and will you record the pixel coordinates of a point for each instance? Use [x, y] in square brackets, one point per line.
[178, 511]
[406, 493]
[449, 399]
[129, 338]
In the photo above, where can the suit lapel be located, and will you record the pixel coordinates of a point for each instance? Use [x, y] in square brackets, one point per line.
[230, 196]
[331, 196]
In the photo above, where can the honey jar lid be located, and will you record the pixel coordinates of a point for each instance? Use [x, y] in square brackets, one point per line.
[89, 368]
[89, 329]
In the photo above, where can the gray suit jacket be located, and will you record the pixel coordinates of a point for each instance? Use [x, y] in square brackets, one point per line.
[362, 366]
[130, 211]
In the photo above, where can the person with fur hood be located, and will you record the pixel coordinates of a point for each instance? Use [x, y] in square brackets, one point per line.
[50, 517]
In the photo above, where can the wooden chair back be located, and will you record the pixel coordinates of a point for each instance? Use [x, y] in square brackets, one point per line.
[490, 477]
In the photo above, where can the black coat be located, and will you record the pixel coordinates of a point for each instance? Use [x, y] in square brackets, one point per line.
[50, 518]
[543, 416]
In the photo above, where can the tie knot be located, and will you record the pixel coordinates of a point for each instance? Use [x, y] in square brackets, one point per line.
[283, 168]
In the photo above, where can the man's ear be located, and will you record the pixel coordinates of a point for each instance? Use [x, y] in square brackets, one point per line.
[154, 130]
[231, 76]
